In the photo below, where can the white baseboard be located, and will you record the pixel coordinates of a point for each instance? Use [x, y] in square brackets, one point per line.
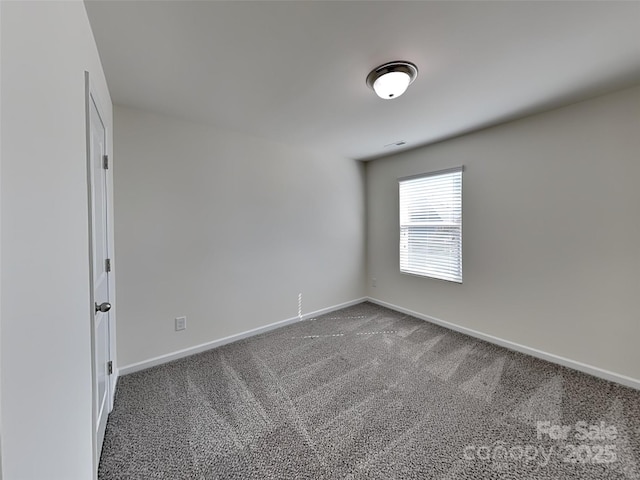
[152, 362]
[566, 362]
[550, 357]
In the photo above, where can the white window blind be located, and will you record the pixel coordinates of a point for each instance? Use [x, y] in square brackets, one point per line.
[431, 225]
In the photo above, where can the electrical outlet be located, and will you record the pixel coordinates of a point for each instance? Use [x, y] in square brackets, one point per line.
[374, 282]
[181, 323]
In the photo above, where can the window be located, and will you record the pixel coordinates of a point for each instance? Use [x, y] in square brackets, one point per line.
[431, 225]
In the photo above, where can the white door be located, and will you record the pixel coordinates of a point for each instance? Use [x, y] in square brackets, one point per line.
[101, 267]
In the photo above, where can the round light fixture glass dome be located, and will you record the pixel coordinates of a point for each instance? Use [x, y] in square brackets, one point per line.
[392, 79]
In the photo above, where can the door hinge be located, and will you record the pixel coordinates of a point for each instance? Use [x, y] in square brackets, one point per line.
[107, 265]
[105, 162]
[110, 367]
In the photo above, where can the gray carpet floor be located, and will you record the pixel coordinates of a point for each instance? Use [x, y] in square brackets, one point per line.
[365, 393]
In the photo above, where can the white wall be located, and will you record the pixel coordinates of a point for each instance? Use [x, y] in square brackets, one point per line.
[0, 243]
[551, 232]
[46, 356]
[226, 229]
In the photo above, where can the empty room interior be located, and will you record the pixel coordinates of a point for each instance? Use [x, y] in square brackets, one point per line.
[319, 240]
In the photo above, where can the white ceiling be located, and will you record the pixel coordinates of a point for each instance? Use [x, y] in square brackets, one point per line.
[294, 72]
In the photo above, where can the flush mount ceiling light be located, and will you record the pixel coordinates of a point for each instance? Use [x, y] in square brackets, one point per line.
[392, 79]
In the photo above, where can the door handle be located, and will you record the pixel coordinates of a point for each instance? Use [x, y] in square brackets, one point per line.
[103, 307]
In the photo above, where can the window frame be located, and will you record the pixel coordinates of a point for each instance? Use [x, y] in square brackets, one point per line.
[459, 279]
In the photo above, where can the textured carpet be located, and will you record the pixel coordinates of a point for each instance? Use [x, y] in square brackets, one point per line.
[367, 392]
